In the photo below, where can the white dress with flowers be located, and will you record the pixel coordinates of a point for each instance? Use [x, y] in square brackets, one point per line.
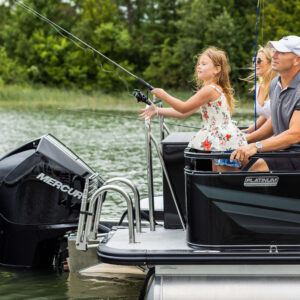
[219, 132]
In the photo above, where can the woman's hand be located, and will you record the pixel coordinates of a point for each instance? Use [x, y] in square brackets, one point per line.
[149, 112]
[246, 130]
[160, 93]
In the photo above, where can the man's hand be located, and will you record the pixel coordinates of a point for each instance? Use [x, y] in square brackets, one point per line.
[243, 153]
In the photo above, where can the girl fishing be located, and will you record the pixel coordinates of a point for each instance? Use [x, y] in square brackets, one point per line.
[215, 98]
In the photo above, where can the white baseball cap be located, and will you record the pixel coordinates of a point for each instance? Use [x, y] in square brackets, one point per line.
[289, 43]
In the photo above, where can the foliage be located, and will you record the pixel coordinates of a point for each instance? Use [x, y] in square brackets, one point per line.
[10, 71]
[154, 39]
[282, 19]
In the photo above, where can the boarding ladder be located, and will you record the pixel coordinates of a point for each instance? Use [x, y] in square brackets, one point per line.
[91, 207]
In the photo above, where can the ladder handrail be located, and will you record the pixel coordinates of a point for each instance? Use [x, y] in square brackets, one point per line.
[97, 196]
[136, 203]
[90, 184]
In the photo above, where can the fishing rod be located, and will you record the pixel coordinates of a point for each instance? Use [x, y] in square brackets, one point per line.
[137, 93]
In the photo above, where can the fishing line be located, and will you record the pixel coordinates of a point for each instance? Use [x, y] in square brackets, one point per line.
[255, 88]
[262, 22]
[86, 49]
[82, 42]
[80, 110]
[41, 17]
[99, 63]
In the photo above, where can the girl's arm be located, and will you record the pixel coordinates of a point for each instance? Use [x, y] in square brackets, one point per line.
[260, 121]
[152, 110]
[201, 97]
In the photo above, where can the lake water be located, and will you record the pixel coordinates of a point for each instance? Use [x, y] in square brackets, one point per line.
[112, 143]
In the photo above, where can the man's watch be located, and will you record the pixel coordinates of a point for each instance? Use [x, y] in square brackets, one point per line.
[258, 146]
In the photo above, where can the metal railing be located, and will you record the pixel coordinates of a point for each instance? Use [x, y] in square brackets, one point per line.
[91, 185]
[136, 194]
[91, 207]
[98, 197]
[149, 140]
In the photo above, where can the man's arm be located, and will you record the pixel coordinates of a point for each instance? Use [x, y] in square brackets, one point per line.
[264, 132]
[279, 142]
[286, 138]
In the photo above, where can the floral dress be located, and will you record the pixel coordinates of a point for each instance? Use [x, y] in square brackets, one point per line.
[219, 132]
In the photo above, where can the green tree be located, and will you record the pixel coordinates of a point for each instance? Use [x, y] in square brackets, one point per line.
[10, 71]
[49, 56]
[200, 24]
[281, 18]
[100, 25]
[155, 39]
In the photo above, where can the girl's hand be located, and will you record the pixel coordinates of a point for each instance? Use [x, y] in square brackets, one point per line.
[149, 112]
[159, 93]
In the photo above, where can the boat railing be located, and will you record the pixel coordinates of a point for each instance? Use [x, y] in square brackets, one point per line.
[162, 125]
[132, 186]
[207, 155]
[91, 207]
[91, 185]
[150, 139]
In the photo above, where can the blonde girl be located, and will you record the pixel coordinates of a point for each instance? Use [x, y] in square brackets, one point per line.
[215, 99]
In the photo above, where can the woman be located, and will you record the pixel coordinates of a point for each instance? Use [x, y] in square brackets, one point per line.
[266, 74]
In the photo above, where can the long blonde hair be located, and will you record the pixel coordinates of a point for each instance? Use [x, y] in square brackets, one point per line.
[219, 59]
[268, 76]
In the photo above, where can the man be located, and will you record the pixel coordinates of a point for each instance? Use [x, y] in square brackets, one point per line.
[282, 130]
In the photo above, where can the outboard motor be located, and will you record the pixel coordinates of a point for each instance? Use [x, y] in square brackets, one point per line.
[41, 185]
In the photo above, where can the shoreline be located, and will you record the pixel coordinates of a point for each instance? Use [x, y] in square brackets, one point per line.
[34, 98]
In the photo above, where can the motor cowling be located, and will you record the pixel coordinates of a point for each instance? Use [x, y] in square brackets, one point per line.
[41, 186]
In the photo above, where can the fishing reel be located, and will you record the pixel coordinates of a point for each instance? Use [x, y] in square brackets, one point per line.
[140, 97]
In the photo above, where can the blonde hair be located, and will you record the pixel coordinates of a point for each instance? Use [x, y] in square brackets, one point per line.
[268, 76]
[219, 59]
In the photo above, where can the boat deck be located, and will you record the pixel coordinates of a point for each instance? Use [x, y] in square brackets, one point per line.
[168, 246]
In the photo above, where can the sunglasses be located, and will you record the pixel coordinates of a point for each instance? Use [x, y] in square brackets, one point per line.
[258, 60]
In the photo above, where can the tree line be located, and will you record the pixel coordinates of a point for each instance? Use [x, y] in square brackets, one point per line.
[155, 39]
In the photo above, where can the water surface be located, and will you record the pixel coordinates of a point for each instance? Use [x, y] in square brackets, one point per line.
[112, 143]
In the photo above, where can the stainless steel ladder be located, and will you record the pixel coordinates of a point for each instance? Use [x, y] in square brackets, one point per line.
[91, 207]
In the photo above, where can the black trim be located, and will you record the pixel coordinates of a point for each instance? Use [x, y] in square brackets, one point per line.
[221, 154]
[193, 257]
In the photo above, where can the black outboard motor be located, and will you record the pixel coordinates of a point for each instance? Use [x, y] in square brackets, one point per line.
[41, 185]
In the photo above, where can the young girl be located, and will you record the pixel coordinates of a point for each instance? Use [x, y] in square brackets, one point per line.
[265, 74]
[215, 99]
